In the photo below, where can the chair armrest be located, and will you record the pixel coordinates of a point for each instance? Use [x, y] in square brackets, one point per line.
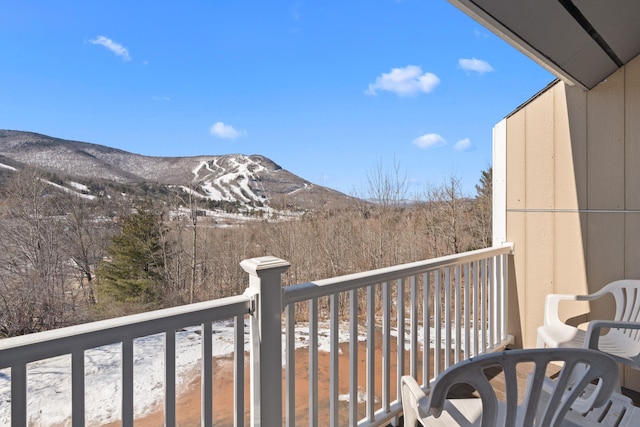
[413, 395]
[593, 330]
[552, 303]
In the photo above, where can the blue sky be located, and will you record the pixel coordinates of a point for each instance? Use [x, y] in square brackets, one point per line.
[329, 90]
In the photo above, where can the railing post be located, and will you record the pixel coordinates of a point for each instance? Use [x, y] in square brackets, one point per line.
[265, 287]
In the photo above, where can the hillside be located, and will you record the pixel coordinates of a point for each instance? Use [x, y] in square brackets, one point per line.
[248, 180]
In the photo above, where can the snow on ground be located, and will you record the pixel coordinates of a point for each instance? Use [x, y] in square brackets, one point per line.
[68, 190]
[2, 165]
[304, 187]
[78, 186]
[49, 385]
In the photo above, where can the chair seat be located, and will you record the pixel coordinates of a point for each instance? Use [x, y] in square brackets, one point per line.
[619, 411]
[617, 345]
[466, 412]
[565, 336]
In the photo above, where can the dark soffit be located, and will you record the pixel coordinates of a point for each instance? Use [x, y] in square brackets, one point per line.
[581, 41]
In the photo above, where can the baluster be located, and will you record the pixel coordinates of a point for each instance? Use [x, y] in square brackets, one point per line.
[437, 324]
[413, 356]
[371, 352]
[456, 320]
[206, 380]
[447, 317]
[238, 371]
[467, 314]
[127, 383]
[313, 362]
[386, 346]
[426, 327]
[290, 370]
[353, 358]
[333, 354]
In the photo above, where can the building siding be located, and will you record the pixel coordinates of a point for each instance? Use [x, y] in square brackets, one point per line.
[573, 195]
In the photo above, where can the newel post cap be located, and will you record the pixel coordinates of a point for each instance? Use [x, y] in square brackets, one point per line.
[265, 264]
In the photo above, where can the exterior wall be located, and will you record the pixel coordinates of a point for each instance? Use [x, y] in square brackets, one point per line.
[573, 194]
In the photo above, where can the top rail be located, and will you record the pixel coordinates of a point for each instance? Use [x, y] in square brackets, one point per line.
[42, 345]
[325, 287]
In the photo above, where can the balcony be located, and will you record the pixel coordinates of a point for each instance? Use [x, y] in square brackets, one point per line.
[373, 327]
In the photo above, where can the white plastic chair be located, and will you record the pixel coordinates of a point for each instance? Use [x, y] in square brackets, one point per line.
[546, 402]
[622, 341]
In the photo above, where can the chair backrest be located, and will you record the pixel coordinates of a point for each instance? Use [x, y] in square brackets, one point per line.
[626, 294]
[546, 401]
[627, 297]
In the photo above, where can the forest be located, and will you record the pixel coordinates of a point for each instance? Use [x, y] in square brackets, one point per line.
[66, 259]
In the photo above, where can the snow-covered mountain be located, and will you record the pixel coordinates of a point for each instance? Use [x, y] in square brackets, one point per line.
[246, 179]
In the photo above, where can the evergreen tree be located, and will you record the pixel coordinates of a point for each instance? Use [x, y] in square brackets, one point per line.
[482, 211]
[485, 187]
[134, 269]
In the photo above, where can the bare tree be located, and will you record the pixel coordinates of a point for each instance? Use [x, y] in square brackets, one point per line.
[192, 206]
[51, 243]
[387, 188]
[87, 229]
[446, 218]
[33, 268]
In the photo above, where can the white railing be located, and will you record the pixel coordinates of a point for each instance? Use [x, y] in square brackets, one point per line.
[456, 308]
[16, 353]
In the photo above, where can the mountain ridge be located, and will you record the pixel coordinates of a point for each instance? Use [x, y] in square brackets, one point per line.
[245, 179]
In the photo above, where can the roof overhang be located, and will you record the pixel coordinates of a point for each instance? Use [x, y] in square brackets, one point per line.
[581, 41]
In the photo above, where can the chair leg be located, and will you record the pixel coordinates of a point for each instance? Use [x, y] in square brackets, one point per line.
[410, 419]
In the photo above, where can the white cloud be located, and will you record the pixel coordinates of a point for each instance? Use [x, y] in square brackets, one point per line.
[114, 47]
[225, 131]
[463, 145]
[477, 65]
[406, 81]
[429, 140]
[162, 98]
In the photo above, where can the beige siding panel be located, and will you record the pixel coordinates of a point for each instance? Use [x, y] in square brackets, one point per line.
[516, 221]
[539, 270]
[540, 152]
[605, 255]
[516, 232]
[565, 193]
[632, 134]
[605, 117]
[516, 165]
[570, 275]
[632, 246]
[576, 103]
[565, 188]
